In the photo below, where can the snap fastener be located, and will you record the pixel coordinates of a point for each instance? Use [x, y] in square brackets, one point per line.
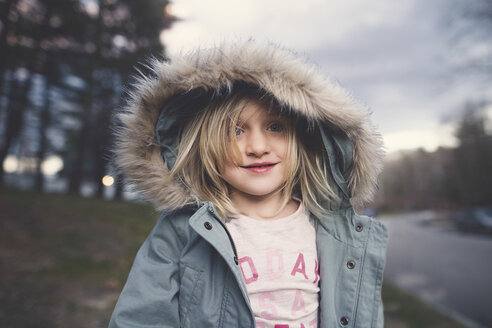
[208, 225]
[211, 210]
[350, 265]
[344, 321]
[358, 227]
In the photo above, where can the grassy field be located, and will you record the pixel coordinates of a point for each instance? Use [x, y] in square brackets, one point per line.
[64, 260]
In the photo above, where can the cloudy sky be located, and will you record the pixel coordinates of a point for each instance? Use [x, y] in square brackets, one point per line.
[407, 60]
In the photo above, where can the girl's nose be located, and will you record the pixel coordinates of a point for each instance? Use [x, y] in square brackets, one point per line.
[257, 144]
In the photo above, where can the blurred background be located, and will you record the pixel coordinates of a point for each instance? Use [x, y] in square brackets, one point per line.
[69, 229]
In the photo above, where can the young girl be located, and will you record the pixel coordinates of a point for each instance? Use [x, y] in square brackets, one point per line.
[256, 161]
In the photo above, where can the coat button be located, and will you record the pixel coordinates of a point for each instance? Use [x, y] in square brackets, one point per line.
[358, 227]
[344, 321]
[211, 210]
[351, 264]
[208, 225]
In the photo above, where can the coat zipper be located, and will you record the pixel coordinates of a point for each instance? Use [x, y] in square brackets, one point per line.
[229, 236]
[233, 249]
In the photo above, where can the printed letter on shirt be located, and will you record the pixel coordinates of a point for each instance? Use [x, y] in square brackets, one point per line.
[302, 269]
[298, 304]
[316, 272]
[280, 264]
[252, 268]
[273, 311]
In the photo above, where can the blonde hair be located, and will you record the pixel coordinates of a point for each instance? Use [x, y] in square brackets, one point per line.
[208, 142]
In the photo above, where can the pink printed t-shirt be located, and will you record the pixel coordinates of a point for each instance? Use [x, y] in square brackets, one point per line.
[278, 259]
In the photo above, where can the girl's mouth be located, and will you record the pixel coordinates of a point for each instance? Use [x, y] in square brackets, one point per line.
[259, 167]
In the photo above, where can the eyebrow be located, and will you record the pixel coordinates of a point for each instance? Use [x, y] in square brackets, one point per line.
[270, 119]
[269, 116]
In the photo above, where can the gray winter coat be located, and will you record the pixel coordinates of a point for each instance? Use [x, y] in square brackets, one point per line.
[186, 273]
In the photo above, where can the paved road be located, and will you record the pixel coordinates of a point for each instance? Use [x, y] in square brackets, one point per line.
[442, 266]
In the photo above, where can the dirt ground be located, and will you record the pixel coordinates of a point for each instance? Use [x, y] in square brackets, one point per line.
[63, 260]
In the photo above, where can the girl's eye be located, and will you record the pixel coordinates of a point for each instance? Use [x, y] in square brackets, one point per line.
[276, 127]
[239, 131]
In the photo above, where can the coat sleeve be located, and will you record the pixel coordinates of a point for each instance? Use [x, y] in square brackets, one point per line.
[150, 295]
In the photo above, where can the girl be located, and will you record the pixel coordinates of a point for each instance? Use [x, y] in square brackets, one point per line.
[256, 161]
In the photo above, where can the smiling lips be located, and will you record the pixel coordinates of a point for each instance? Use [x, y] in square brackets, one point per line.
[259, 167]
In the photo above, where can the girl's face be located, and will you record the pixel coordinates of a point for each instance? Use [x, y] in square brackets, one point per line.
[262, 141]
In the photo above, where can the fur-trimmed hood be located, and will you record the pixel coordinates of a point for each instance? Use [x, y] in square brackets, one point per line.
[292, 81]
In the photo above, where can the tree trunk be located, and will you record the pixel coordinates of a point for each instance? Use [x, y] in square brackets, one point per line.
[44, 117]
[100, 126]
[4, 17]
[118, 181]
[76, 173]
[43, 140]
[14, 117]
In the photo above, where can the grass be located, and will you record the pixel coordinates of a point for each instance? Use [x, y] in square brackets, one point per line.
[64, 260]
[402, 310]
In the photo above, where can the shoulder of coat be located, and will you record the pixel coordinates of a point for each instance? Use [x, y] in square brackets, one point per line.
[178, 220]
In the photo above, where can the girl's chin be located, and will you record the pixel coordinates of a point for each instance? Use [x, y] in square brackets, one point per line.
[256, 193]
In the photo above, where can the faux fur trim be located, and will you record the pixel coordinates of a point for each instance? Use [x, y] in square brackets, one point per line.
[276, 70]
